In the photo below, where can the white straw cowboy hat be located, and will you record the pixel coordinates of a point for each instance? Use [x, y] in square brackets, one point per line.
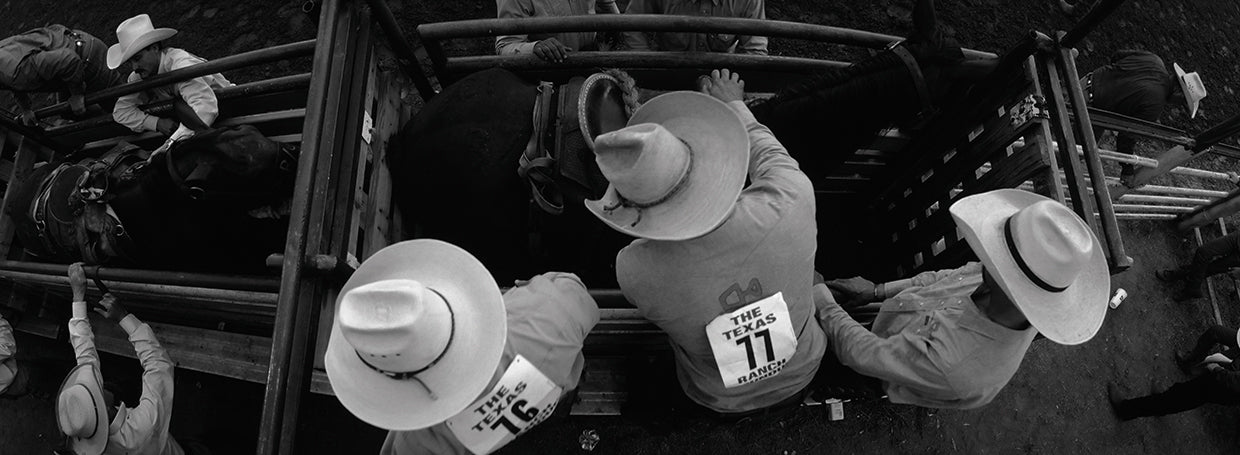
[81, 412]
[419, 330]
[675, 171]
[1194, 90]
[135, 34]
[1044, 257]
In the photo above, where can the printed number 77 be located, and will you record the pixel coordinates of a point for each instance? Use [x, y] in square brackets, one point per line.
[770, 349]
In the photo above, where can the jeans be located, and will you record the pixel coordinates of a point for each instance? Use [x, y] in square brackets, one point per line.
[1221, 387]
[1215, 335]
[1212, 258]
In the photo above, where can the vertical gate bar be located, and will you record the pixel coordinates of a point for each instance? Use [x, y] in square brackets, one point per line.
[1097, 177]
[1049, 182]
[1096, 15]
[1077, 188]
[396, 36]
[274, 400]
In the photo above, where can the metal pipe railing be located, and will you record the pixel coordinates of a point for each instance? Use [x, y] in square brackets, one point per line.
[203, 280]
[404, 50]
[662, 23]
[270, 54]
[661, 60]
[274, 399]
[1216, 134]
[1096, 15]
[1208, 213]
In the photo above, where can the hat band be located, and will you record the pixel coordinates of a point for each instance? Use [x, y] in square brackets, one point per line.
[403, 375]
[1020, 261]
[622, 201]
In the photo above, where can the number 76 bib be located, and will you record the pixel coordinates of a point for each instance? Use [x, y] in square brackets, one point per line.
[753, 343]
[522, 398]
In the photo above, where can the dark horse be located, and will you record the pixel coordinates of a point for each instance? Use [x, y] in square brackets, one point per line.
[186, 209]
[456, 178]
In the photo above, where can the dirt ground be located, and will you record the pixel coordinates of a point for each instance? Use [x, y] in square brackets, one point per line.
[1055, 404]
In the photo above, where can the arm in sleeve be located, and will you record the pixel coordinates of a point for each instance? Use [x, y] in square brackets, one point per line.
[636, 41]
[8, 344]
[513, 44]
[140, 422]
[897, 359]
[201, 98]
[767, 157]
[128, 114]
[756, 45]
[58, 65]
[81, 337]
[606, 7]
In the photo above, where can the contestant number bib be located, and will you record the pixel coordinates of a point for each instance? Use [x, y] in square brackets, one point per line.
[522, 398]
[752, 343]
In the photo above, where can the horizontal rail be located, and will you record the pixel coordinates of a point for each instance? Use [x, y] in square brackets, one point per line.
[234, 282]
[237, 91]
[1162, 199]
[270, 54]
[662, 23]
[1153, 208]
[626, 60]
[1118, 122]
[1145, 216]
[230, 297]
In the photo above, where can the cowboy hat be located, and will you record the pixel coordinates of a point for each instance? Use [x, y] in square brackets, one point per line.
[675, 171]
[418, 333]
[603, 104]
[1194, 90]
[135, 34]
[81, 412]
[1044, 257]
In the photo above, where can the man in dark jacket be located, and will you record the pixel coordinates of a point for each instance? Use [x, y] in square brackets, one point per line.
[55, 59]
[1220, 383]
[1135, 83]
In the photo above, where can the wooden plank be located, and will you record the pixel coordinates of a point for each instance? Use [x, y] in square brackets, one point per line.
[386, 125]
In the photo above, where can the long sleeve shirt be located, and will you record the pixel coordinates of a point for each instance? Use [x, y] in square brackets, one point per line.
[765, 246]
[42, 60]
[700, 42]
[198, 93]
[524, 44]
[548, 320]
[8, 349]
[144, 430]
[930, 344]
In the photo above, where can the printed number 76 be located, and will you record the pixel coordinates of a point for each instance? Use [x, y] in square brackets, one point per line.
[770, 349]
[525, 416]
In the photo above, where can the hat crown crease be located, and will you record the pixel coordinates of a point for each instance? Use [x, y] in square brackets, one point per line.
[1056, 246]
[396, 325]
[645, 162]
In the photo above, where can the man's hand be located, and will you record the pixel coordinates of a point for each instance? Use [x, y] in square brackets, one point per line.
[28, 118]
[551, 50]
[77, 103]
[112, 308]
[723, 84]
[166, 126]
[77, 281]
[852, 292]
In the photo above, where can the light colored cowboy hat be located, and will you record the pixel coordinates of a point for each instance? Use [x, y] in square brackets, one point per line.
[135, 34]
[81, 412]
[1044, 257]
[418, 333]
[675, 171]
[1194, 90]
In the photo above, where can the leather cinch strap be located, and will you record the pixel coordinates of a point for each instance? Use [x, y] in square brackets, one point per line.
[536, 164]
[919, 80]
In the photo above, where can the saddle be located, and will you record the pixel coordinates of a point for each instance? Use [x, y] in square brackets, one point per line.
[71, 213]
[568, 118]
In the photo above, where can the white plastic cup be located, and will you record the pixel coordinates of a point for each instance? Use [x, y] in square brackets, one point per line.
[1120, 295]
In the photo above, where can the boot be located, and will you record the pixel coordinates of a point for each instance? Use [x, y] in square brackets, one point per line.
[1169, 275]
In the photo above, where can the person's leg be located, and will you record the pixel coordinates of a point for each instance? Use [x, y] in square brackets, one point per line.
[1196, 272]
[1179, 398]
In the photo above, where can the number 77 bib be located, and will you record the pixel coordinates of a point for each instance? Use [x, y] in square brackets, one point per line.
[753, 343]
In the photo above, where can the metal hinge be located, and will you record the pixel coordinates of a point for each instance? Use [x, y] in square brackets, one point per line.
[1029, 108]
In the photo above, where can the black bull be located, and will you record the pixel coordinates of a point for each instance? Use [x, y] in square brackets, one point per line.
[187, 209]
[455, 172]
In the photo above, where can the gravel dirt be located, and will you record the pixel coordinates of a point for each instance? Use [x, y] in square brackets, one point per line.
[1056, 404]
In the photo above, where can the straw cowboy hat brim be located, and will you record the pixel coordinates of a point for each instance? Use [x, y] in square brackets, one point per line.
[1190, 84]
[719, 146]
[1069, 317]
[118, 54]
[86, 376]
[469, 361]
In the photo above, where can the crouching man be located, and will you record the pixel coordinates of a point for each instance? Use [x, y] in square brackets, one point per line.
[954, 338]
